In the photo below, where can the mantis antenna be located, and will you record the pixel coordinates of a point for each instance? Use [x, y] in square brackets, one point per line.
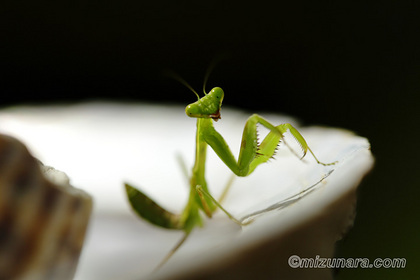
[213, 64]
[178, 78]
[206, 77]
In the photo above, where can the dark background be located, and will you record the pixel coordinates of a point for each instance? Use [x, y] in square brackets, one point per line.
[348, 64]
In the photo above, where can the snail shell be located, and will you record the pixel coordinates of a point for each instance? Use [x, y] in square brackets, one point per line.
[42, 224]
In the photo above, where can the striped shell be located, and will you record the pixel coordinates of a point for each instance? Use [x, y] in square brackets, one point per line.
[42, 224]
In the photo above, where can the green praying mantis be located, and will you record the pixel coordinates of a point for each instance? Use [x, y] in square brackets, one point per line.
[252, 153]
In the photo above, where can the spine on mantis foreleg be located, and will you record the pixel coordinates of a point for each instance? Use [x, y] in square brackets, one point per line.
[266, 150]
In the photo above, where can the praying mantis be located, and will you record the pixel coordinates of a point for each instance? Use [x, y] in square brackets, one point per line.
[252, 153]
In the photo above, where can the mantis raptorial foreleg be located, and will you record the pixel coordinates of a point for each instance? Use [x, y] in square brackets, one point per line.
[252, 153]
[301, 141]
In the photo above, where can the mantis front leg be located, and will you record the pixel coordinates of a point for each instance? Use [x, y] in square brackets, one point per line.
[252, 153]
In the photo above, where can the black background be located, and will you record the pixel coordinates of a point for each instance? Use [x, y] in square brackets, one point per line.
[348, 64]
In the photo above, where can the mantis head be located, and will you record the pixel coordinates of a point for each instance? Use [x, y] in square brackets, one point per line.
[207, 106]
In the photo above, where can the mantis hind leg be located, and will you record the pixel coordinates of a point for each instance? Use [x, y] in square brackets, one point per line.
[227, 188]
[173, 251]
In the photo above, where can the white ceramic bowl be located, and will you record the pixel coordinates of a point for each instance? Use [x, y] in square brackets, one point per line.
[101, 145]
